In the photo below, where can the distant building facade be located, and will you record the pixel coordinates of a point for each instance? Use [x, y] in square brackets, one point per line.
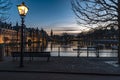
[11, 34]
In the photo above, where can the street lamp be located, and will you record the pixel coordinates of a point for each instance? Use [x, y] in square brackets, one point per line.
[23, 9]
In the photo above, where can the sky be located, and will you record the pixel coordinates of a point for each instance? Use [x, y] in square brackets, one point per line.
[47, 14]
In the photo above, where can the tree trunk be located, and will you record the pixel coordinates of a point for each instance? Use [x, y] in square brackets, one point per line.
[119, 31]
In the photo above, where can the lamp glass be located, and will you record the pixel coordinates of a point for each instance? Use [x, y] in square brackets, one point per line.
[23, 9]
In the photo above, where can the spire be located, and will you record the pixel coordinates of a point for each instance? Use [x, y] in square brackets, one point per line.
[51, 34]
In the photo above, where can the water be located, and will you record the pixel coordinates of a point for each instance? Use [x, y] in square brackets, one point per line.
[64, 50]
[68, 50]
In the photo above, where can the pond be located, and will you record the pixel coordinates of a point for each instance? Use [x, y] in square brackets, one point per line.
[62, 50]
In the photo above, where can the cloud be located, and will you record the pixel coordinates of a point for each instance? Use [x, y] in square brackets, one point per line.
[59, 28]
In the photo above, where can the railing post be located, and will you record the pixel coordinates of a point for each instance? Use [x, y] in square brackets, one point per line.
[58, 51]
[97, 52]
[87, 52]
[78, 52]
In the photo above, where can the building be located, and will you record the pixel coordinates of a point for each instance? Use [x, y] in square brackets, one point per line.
[11, 35]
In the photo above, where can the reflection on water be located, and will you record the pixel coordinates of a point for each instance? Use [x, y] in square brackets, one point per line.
[58, 49]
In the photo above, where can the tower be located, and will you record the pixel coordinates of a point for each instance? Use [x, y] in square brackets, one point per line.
[51, 33]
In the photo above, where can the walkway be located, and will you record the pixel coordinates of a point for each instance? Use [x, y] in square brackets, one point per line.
[64, 65]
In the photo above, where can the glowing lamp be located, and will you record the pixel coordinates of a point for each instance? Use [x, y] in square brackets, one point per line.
[23, 9]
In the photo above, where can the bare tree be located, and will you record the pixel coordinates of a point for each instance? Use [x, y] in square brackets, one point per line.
[5, 5]
[94, 11]
[98, 11]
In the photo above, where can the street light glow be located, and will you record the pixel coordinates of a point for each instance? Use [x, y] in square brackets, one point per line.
[23, 9]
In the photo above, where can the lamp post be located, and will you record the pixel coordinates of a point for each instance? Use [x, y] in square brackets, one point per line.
[23, 9]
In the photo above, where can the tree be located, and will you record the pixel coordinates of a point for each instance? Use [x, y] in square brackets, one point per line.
[98, 11]
[94, 11]
[5, 5]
